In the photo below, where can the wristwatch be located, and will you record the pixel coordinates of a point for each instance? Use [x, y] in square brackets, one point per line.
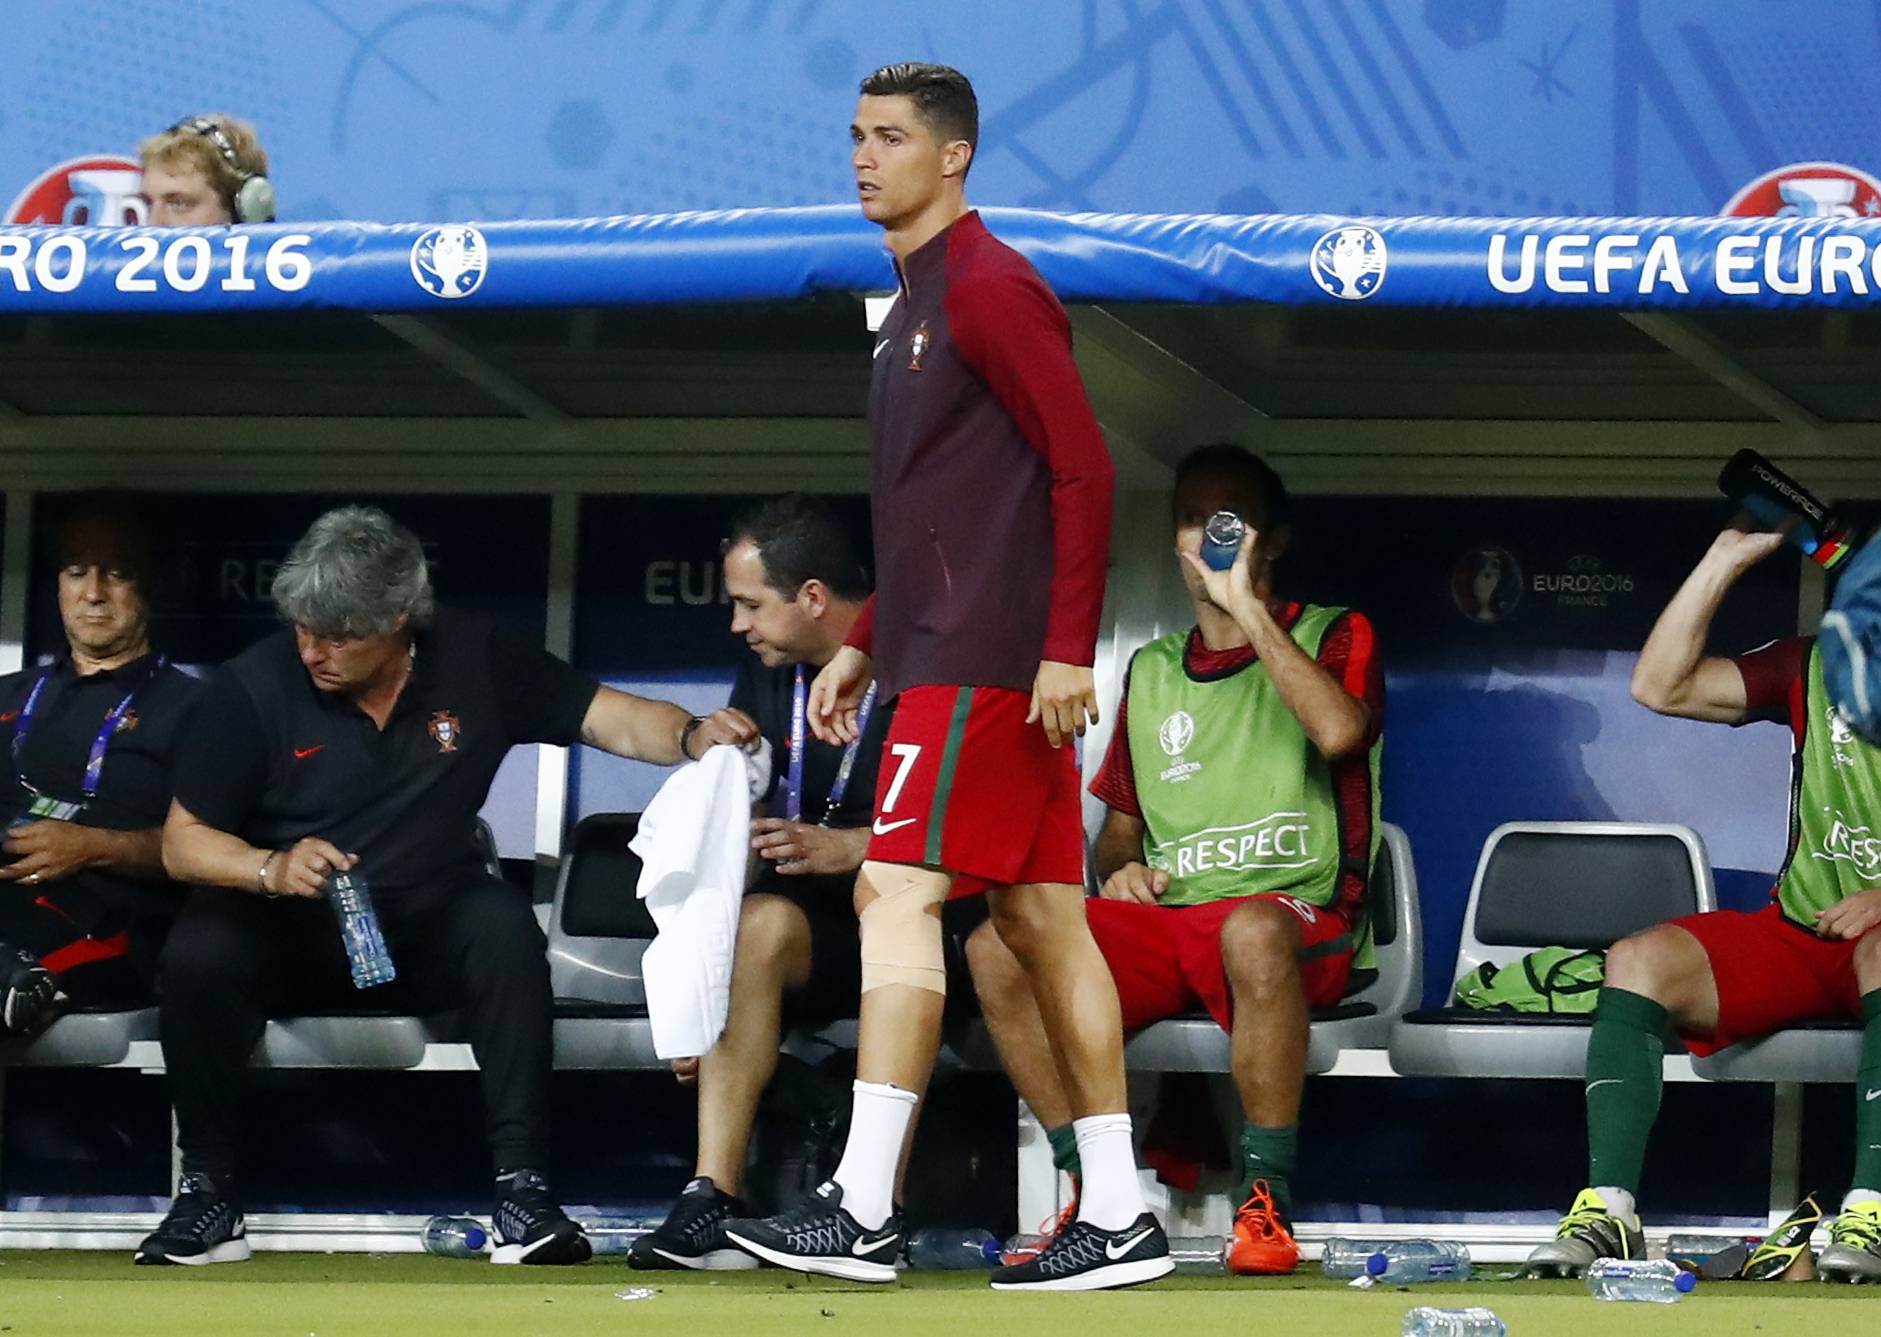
[685, 736]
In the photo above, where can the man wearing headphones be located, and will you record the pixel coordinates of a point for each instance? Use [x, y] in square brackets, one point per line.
[204, 171]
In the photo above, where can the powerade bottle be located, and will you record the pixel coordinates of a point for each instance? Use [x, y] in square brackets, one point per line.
[366, 954]
[1773, 497]
[1221, 539]
[454, 1237]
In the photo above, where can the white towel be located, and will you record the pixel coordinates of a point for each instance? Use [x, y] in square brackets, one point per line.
[693, 841]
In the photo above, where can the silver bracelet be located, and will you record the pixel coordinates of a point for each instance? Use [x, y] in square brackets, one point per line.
[261, 874]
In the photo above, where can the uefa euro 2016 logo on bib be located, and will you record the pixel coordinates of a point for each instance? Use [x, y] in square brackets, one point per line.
[450, 261]
[1177, 732]
[1349, 262]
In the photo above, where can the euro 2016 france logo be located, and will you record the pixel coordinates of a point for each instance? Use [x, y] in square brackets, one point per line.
[1349, 262]
[450, 261]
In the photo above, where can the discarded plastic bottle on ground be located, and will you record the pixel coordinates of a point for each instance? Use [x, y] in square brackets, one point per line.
[1427, 1321]
[612, 1234]
[1698, 1249]
[1199, 1253]
[454, 1237]
[1656, 1281]
[1407, 1261]
[366, 953]
[942, 1250]
[1343, 1259]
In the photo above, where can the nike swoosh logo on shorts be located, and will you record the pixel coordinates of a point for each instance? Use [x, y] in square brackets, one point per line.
[1605, 1081]
[1873, 1095]
[1114, 1251]
[881, 830]
[878, 349]
[867, 1246]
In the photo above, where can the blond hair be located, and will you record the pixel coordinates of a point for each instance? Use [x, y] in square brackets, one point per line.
[182, 147]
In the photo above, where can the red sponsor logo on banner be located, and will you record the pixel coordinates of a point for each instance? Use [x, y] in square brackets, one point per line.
[96, 191]
[1809, 190]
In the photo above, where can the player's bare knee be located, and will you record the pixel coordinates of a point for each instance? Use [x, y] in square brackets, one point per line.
[1029, 921]
[1868, 960]
[995, 970]
[1260, 945]
[768, 927]
[1652, 963]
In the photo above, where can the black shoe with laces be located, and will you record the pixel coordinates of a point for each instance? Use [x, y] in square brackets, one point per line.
[818, 1236]
[531, 1227]
[30, 999]
[204, 1225]
[693, 1233]
[1084, 1257]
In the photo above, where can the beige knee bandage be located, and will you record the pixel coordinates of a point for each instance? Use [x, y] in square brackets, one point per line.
[901, 934]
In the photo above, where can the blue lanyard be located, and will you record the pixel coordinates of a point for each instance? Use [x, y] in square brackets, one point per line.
[94, 764]
[793, 779]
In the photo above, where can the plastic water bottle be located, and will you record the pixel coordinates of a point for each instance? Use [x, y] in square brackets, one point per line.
[454, 1237]
[941, 1250]
[1659, 1281]
[1409, 1261]
[1426, 1321]
[1199, 1253]
[612, 1234]
[1343, 1259]
[366, 954]
[1699, 1249]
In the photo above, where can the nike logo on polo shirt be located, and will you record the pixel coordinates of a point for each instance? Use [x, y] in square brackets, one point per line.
[881, 830]
[302, 753]
[1113, 1250]
[878, 349]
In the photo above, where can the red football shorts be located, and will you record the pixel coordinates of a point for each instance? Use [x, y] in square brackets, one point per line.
[1166, 959]
[1771, 972]
[967, 785]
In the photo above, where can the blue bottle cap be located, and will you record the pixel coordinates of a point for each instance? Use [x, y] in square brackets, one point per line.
[1375, 1265]
[475, 1237]
[1685, 1282]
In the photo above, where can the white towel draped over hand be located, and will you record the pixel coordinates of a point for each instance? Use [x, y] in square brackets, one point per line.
[693, 843]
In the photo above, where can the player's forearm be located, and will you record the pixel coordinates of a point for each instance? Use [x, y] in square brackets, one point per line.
[852, 843]
[195, 852]
[1116, 846]
[137, 854]
[635, 727]
[1338, 723]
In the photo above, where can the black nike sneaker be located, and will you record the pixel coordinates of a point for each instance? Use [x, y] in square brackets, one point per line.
[818, 1236]
[30, 999]
[531, 1227]
[204, 1225]
[1084, 1257]
[693, 1233]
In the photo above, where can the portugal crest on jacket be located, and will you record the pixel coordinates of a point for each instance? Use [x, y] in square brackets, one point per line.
[446, 730]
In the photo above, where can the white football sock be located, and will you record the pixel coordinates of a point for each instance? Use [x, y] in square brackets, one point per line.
[878, 1121]
[1111, 1196]
[1619, 1203]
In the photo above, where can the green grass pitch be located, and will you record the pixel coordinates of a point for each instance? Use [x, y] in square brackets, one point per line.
[405, 1295]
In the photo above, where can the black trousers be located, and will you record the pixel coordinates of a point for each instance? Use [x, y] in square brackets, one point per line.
[103, 955]
[235, 959]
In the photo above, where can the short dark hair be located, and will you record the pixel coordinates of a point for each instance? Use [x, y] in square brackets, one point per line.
[941, 94]
[1257, 486]
[107, 527]
[801, 538]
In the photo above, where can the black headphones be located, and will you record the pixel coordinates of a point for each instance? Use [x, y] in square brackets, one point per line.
[254, 198]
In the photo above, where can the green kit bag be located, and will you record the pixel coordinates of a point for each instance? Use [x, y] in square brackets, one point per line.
[1560, 980]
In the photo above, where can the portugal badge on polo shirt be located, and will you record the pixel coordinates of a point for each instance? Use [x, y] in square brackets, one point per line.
[445, 728]
[917, 346]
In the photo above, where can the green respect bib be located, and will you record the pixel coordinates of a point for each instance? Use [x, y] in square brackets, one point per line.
[1235, 798]
[1834, 849]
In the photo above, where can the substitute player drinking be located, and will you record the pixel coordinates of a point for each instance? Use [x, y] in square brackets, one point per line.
[992, 502]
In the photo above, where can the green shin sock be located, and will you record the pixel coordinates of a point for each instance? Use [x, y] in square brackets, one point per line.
[1624, 1077]
[1064, 1140]
[1868, 1096]
[1270, 1154]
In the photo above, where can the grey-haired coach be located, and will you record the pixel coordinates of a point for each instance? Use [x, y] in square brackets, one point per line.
[364, 736]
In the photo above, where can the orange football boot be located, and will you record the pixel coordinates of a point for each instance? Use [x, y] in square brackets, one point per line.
[1263, 1244]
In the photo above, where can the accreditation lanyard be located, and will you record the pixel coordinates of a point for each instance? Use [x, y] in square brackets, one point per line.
[793, 778]
[45, 805]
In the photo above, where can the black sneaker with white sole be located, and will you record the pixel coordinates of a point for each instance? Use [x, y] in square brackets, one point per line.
[531, 1227]
[1084, 1257]
[693, 1233]
[818, 1236]
[30, 999]
[203, 1225]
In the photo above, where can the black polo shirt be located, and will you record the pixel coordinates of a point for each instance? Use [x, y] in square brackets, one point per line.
[134, 786]
[765, 694]
[274, 759]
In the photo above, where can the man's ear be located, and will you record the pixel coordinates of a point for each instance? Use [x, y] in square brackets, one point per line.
[956, 158]
[813, 598]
